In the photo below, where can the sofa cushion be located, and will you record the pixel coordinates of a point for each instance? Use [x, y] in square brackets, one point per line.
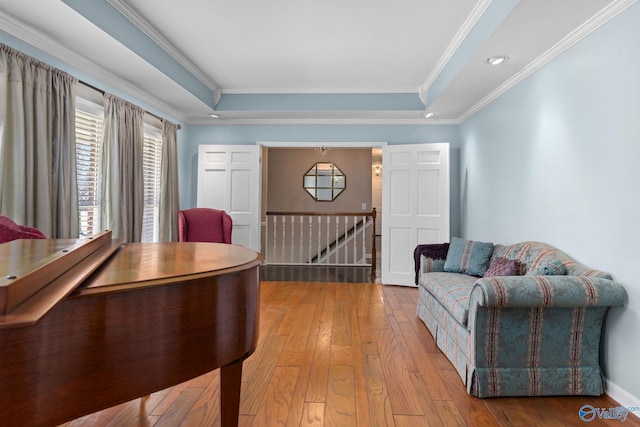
[431, 265]
[535, 254]
[452, 290]
[468, 256]
[503, 267]
[553, 268]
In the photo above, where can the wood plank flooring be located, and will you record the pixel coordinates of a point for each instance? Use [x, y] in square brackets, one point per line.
[345, 354]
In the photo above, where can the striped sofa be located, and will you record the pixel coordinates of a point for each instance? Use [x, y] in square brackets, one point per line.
[522, 335]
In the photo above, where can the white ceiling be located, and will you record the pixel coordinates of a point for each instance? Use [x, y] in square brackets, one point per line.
[436, 49]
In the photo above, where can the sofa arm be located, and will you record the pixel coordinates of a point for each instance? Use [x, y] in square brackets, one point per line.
[546, 291]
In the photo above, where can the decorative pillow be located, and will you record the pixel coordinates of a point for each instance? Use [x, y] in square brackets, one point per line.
[552, 268]
[468, 257]
[432, 265]
[503, 267]
[434, 251]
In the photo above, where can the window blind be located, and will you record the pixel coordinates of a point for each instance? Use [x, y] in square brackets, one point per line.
[152, 157]
[89, 127]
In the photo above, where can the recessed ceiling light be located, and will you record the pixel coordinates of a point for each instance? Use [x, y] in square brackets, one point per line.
[429, 115]
[496, 60]
[214, 116]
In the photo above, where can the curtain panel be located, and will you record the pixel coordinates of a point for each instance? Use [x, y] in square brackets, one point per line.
[168, 217]
[38, 183]
[122, 194]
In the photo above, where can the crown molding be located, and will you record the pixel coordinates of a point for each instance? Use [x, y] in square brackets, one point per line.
[606, 14]
[313, 144]
[31, 36]
[459, 38]
[319, 118]
[318, 91]
[144, 26]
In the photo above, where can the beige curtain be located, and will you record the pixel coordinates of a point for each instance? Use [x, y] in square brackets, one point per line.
[169, 184]
[37, 145]
[122, 195]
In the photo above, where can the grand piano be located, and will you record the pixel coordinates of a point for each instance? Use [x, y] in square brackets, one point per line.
[90, 323]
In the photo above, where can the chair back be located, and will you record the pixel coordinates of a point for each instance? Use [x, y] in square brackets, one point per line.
[204, 225]
[9, 231]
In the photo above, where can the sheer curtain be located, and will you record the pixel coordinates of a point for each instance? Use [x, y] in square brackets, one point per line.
[37, 145]
[168, 217]
[122, 195]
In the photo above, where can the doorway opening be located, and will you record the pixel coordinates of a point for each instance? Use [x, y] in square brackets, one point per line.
[284, 166]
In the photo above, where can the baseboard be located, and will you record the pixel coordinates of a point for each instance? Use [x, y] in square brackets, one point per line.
[623, 397]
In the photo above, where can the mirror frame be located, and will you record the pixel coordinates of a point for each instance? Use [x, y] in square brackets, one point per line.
[324, 181]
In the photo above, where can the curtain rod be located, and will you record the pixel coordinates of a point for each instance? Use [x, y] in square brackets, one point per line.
[103, 92]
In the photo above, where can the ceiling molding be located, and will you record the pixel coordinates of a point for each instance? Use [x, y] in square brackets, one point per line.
[33, 37]
[137, 20]
[461, 35]
[283, 119]
[311, 91]
[313, 144]
[591, 25]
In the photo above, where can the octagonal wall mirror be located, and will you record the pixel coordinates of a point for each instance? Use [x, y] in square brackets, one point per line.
[324, 181]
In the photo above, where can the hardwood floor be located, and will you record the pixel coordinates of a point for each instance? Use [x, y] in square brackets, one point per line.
[345, 354]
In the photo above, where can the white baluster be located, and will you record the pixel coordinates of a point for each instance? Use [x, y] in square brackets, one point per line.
[310, 228]
[337, 261]
[364, 245]
[275, 226]
[301, 238]
[319, 238]
[346, 235]
[355, 240]
[284, 241]
[293, 232]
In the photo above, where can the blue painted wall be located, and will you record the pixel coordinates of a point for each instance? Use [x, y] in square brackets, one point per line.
[556, 159]
[192, 136]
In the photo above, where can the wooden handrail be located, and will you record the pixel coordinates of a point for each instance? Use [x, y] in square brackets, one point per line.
[363, 213]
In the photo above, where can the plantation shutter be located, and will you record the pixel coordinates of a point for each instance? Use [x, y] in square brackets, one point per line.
[152, 156]
[89, 128]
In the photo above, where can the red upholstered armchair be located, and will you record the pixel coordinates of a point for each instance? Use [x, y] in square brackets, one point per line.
[9, 231]
[204, 225]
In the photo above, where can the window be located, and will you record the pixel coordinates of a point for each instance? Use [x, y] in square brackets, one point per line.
[89, 127]
[89, 120]
[151, 159]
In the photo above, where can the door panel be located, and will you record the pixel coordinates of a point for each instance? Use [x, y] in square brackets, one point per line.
[229, 179]
[415, 205]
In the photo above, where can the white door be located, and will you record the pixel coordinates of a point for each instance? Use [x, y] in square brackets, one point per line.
[415, 205]
[229, 179]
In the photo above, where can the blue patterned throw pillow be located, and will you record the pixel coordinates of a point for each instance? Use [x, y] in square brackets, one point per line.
[552, 268]
[468, 257]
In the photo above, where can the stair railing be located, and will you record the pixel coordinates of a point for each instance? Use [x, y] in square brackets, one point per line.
[322, 238]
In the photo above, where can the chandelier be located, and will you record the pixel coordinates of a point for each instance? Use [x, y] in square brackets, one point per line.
[323, 151]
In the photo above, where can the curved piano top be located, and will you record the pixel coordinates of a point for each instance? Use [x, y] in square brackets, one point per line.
[146, 264]
[36, 274]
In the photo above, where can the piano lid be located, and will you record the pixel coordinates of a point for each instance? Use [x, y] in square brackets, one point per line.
[31, 272]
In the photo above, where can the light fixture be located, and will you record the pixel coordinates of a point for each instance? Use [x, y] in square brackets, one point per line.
[429, 115]
[214, 116]
[323, 151]
[377, 169]
[497, 60]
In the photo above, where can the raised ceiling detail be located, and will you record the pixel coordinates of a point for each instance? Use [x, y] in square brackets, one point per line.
[185, 58]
